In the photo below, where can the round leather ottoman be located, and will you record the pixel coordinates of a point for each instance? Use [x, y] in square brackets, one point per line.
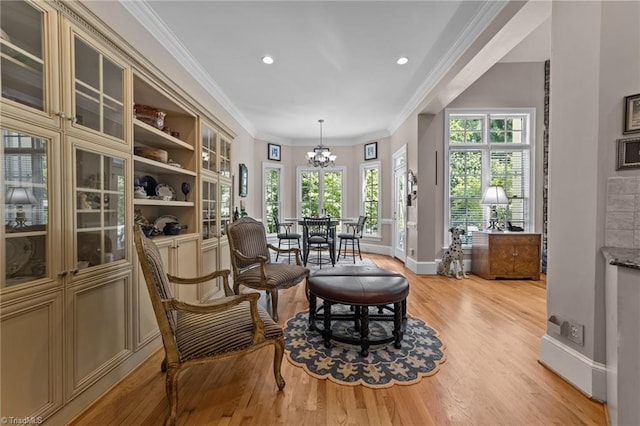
[360, 288]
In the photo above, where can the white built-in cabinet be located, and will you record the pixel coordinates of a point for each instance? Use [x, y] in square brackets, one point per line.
[75, 314]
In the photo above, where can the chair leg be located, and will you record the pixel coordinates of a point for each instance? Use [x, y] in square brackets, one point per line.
[172, 394]
[353, 251]
[332, 253]
[274, 304]
[278, 253]
[359, 252]
[277, 363]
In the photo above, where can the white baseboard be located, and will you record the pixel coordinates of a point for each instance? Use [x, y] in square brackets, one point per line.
[422, 267]
[588, 376]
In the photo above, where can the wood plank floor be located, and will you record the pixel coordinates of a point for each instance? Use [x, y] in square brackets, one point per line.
[491, 330]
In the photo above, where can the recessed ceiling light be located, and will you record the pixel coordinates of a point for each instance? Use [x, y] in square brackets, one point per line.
[267, 60]
[402, 60]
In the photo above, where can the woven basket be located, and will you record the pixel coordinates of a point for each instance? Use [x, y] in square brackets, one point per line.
[150, 115]
[152, 153]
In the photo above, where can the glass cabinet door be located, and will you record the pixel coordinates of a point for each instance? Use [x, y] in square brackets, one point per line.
[98, 90]
[209, 149]
[22, 65]
[209, 209]
[225, 157]
[26, 200]
[225, 206]
[100, 208]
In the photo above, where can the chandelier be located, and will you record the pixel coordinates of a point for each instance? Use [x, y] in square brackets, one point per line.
[321, 155]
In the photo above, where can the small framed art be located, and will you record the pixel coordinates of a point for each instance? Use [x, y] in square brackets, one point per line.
[371, 151]
[628, 154]
[274, 152]
[632, 114]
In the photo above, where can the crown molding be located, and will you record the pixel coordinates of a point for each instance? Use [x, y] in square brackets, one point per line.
[368, 137]
[144, 14]
[488, 11]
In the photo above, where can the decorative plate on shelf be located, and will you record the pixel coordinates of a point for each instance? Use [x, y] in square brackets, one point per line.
[19, 251]
[163, 190]
[163, 220]
[149, 184]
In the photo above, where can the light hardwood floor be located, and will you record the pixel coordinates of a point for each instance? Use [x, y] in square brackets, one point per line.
[491, 330]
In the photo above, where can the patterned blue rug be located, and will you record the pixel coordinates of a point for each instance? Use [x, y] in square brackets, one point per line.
[420, 356]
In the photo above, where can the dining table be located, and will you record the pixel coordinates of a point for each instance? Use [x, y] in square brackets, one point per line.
[333, 224]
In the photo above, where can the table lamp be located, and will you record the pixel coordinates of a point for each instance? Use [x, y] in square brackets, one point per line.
[494, 196]
[19, 197]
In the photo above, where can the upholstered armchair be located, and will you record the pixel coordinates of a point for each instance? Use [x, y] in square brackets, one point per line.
[251, 261]
[192, 334]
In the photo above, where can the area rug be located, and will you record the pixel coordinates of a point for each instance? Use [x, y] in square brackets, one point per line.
[420, 356]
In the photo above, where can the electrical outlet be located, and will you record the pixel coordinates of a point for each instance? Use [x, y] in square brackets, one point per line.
[576, 333]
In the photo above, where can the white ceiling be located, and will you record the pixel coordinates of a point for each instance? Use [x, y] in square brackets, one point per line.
[334, 60]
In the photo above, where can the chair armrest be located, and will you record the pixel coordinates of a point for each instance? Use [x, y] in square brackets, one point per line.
[257, 259]
[351, 227]
[201, 279]
[283, 250]
[211, 307]
[221, 305]
[286, 225]
[294, 250]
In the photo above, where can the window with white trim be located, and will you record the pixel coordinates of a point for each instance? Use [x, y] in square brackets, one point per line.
[272, 175]
[321, 192]
[370, 196]
[483, 148]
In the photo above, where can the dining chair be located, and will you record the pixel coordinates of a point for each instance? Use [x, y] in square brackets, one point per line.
[217, 329]
[251, 261]
[319, 237]
[286, 236]
[353, 236]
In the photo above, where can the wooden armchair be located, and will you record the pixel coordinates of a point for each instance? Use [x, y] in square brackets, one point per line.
[251, 261]
[194, 334]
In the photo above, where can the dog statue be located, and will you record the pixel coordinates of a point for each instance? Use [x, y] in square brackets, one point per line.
[453, 256]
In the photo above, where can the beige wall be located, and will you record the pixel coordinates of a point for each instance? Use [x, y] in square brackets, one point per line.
[595, 63]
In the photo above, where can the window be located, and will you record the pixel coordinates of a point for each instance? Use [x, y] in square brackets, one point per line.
[320, 192]
[271, 191]
[370, 178]
[489, 148]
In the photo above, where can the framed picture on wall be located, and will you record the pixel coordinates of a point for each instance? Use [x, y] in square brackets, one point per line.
[632, 114]
[274, 152]
[628, 154]
[371, 151]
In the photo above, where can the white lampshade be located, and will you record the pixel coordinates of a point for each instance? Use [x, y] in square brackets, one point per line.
[494, 196]
[20, 196]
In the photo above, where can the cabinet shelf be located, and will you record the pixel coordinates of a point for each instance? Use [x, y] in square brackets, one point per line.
[96, 210]
[147, 134]
[151, 166]
[151, 202]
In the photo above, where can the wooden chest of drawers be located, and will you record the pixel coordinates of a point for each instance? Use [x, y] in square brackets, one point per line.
[506, 255]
